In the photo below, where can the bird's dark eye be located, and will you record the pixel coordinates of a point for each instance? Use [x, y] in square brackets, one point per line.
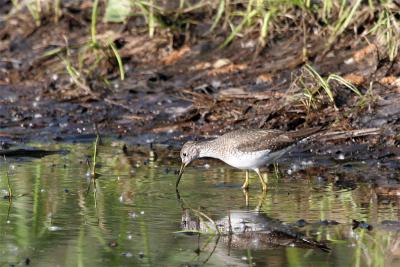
[184, 154]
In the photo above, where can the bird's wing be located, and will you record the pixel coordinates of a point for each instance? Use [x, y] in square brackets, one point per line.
[272, 140]
[264, 140]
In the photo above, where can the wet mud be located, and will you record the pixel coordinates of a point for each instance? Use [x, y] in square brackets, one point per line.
[191, 89]
[342, 183]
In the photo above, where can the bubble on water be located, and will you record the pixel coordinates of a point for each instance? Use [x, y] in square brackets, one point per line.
[129, 237]
[244, 258]
[4, 191]
[127, 254]
[207, 166]
[307, 163]
[293, 168]
[54, 228]
[340, 156]
[38, 116]
[142, 212]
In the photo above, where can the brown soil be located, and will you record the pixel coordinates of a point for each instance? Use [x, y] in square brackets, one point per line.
[180, 85]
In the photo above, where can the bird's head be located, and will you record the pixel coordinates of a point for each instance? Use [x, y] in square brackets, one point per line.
[189, 152]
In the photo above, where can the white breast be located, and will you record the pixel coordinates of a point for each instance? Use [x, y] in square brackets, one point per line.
[249, 160]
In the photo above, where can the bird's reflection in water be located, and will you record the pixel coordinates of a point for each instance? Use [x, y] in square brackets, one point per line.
[244, 230]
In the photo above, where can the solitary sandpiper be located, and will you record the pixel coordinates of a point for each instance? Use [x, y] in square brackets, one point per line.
[245, 149]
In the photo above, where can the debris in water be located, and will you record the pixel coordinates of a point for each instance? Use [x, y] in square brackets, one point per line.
[113, 244]
[362, 225]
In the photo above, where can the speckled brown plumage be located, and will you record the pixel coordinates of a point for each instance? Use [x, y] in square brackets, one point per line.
[273, 140]
[245, 149]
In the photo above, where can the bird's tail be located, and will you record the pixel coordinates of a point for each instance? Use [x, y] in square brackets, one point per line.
[303, 135]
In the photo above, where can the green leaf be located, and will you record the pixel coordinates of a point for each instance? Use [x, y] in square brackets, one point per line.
[117, 10]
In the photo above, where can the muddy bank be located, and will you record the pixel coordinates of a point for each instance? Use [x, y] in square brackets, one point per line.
[177, 87]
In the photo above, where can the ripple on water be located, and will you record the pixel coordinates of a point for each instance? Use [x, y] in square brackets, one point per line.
[135, 207]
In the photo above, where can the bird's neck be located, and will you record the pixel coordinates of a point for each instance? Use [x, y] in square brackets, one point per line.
[207, 149]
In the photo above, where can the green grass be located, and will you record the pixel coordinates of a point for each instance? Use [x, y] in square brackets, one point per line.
[259, 20]
[239, 18]
[387, 31]
[312, 84]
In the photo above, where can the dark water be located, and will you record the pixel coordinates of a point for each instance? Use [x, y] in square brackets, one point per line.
[133, 216]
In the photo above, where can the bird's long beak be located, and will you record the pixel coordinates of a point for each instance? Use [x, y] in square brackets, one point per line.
[180, 173]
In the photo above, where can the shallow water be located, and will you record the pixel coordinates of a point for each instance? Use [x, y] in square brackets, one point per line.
[133, 216]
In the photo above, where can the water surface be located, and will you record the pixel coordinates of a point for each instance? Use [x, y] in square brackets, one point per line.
[132, 216]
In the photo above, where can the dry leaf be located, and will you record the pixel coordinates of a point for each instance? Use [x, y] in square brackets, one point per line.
[355, 79]
[201, 66]
[362, 53]
[227, 69]
[175, 55]
[264, 78]
[389, 80]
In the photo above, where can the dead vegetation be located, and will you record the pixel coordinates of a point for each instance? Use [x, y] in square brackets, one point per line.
[200, 67]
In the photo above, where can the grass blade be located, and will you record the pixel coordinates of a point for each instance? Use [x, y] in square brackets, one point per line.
[119, 60]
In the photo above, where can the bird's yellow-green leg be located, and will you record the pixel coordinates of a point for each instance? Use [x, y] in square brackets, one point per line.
[246, 196]
[245, 186]
[264, 185]
[261, 201]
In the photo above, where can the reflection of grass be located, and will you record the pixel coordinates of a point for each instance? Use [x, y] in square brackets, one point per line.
[10, 191]
[96, 143]
[83, 240]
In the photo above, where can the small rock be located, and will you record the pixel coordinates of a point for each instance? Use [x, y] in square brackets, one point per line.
[221, 63]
